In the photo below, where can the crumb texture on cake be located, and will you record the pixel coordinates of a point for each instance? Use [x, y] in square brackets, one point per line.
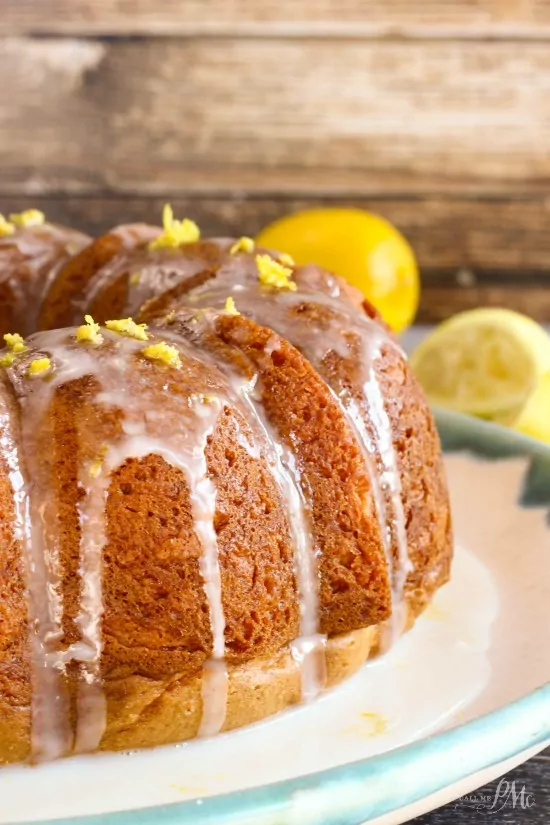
[221, 488]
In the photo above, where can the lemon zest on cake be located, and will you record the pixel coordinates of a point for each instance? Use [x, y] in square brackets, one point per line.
[176, 233]
[286, 260]
[230, 308]
[30, 217]
[135, 278]
[6, 228]
[39, 366]
[96, 465]
[89, 331]
[272, 273]
[95, 468]
[15, 342]
[7, 359]
[163, 352]
[16, 345]
[127, 326]
[244, 244]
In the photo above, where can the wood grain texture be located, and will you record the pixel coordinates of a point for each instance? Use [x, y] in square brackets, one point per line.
[534, 775]
[230, 115]
[471, 251]
[508, 18]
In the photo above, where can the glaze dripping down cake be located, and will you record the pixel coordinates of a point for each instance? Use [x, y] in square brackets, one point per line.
[221, 487]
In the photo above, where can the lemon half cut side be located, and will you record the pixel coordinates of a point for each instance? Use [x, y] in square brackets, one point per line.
[485, 362]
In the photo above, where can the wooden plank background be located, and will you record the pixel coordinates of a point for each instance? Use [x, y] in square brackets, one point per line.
[436, 115]
[263, 18]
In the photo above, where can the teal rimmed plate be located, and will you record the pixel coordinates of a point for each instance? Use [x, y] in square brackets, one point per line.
[462, 698]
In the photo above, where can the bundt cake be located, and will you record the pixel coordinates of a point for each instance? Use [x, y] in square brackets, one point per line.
[220, 492]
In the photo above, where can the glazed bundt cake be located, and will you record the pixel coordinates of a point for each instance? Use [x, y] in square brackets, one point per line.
[220, 492]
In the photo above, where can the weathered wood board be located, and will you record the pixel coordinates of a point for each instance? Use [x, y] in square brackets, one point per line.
[315, 116]
[519, 18]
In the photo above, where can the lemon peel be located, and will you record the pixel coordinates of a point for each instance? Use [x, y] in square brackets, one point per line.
[244, 244]
[6, 228]
[163, 352]
[30, 217]
[7, 359]
[15, 342]
[89, 331]
[176, 233]
[16, 345]
[230, 308]
[96, 465]
[128, 327]
[272, 273]
[39, 366]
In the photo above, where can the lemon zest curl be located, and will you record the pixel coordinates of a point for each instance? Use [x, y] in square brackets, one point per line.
[176, 233]
[30, 217]
[272, 273]
[230, 308]
[127, 326]
[163, 352]
[39, 366]
[244, 244]
[6, 228]
[89, 331]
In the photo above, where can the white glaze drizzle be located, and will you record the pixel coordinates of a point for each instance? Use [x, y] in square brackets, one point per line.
[51, 734]
[91, 704]
[308, 650]
[272, 308]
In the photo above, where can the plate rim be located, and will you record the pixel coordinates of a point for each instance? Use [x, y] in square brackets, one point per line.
[398, 777]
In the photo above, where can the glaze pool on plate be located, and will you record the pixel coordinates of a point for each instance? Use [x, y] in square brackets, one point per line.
[481, 646]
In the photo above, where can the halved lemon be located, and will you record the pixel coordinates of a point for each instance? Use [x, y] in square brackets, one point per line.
[487, 362]
[363, 248]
